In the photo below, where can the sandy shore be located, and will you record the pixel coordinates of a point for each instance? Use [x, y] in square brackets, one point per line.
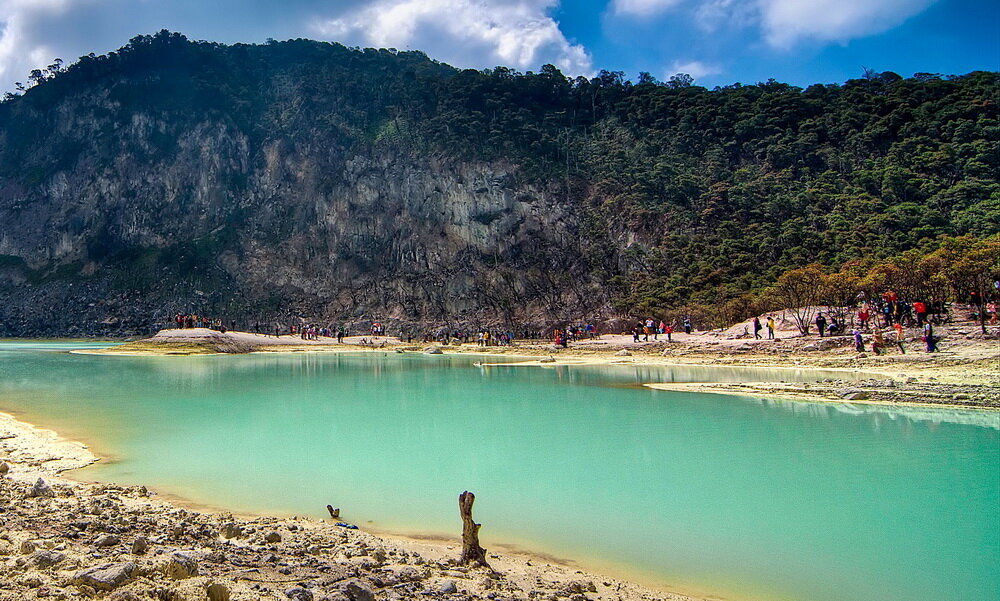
[966, 373]
[65, 539]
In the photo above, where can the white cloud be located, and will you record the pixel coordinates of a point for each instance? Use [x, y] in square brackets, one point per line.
[712, 15]
[786, 22]
[695, 69]
[19, 51]
[465, 33]
[643, 8]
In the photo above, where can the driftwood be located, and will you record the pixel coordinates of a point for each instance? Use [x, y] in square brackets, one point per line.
[334, 513]
[472, 553]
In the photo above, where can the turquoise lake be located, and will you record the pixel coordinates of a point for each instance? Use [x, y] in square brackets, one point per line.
[743, 497]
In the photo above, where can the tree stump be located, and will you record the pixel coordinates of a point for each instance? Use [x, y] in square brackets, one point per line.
[472, 553]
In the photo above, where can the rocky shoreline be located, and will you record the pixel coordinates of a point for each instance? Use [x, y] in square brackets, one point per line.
[65, 539]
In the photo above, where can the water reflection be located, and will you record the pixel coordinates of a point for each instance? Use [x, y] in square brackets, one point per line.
[984, 418]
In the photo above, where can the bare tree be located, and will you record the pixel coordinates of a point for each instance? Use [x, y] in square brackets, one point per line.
[472, 553]
[799, 291]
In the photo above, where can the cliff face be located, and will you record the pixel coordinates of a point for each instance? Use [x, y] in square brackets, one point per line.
[273, 229]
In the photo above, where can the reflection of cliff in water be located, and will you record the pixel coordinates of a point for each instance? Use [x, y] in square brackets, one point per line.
[602, 375]
[878, 413]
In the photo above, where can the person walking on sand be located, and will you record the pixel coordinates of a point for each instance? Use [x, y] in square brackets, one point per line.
[687, 325]
[899, 337]
[820, 324]
[877, 341]
[770, 327]
[859, 343]
[668, 330]
[757, 328]
[929, 338]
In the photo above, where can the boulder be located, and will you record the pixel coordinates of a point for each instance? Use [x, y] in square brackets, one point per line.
[448, 587]
[272, 537]
[230, 530]
[856, 396]
[107, 540]
[41, 489]
[217, 591]
[105, 577]
[140, 545]
[810, 347]
[46, 559]
[180, 565]
[623, 353]
[433, 350]
[4, 468]
[547, 360]
[356, 591]
[299, 594]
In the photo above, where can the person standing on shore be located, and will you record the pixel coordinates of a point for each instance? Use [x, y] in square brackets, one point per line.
[877, 341]
[820, 324]
[859, 342]
[899, 337]
[929, 338]
[687, 324]
[770, 327]
[757, 328]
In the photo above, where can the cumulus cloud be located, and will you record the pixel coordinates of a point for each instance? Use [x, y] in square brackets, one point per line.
[20, 51]
[786, 22]
[696, 69]
[465, 33]
[643, 8]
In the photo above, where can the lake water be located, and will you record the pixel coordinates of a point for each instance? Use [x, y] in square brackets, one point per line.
[744, 497]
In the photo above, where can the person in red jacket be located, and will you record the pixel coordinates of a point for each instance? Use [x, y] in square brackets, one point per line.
[921, 310]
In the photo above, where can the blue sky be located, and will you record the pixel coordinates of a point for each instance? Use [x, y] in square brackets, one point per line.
[717, 41]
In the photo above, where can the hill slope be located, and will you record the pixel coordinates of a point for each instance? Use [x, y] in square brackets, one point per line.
[260, 182]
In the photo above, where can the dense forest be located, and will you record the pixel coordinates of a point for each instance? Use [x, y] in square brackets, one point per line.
[601, 195]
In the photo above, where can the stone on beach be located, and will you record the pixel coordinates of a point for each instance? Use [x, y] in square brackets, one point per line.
[299, 593]
[217, 591]
[106, 577]
[140, 545]
[47, 558]
[107, 540]
[355, 591]
[272, 537]
[180, 565]
[41, 489]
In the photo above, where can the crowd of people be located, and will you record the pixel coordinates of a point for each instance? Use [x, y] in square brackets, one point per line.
[649, 327]
[193, 320]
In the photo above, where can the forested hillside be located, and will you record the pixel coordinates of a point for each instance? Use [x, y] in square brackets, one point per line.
[300, 178]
